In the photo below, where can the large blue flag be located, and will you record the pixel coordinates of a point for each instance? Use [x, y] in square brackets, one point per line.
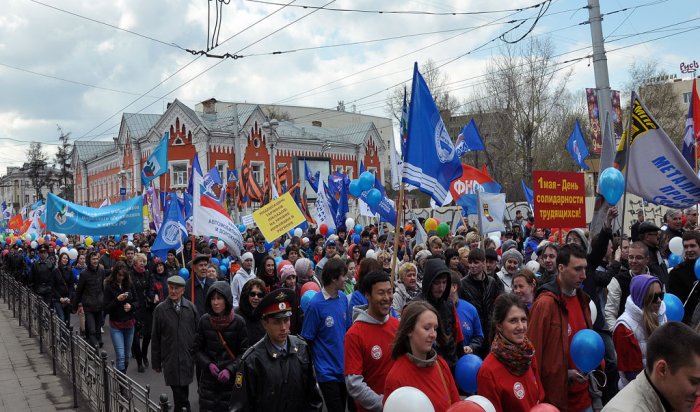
[430, 162]
[577, 146]
[312, 178]
[172, 232]
[195, 169]
[63, 216]
[469, 140]
[157, 162]
[529, 195]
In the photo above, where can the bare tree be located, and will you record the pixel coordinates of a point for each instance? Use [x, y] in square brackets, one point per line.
[437, 82]
[532, 113]
[36, 169]
[64, 176]
[659, 97]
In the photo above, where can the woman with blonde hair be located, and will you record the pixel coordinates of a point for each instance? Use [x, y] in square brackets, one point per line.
[644, 312]
[406, 288]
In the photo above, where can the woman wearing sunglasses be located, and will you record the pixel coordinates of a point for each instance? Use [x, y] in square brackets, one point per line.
[644, 312]
[251, 295]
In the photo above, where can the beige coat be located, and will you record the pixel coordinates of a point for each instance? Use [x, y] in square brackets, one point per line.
[638, 393]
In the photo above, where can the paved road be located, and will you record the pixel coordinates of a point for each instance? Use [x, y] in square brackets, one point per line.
[149, 377]
[26, 381]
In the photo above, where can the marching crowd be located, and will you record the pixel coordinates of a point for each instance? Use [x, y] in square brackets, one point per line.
[345, 320]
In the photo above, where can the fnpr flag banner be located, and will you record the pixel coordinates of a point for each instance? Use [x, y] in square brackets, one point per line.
[72, 219]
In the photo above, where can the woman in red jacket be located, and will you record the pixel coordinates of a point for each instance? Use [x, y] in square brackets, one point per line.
[509, 377]
[416, 362]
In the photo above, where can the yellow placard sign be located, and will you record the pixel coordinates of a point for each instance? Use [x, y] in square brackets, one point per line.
[278, 217]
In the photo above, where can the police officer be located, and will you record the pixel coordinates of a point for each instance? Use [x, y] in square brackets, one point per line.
[41, 275]
[276, 374]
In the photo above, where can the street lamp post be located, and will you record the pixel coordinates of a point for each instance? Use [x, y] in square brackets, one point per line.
[270, 129]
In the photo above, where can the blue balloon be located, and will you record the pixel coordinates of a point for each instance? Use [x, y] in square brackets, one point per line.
[612, 185]
[697, 267]
[241, 228]
[330, 231]
[675, 260]
[358, 228]
[223, 269]
[674, 307]
[465, 372]
[47, 238]
[225, 261]
[354, 187]
[374, 196]
[587, 350]
[356, 239]
[184, 273]
[366, 180]
[278, 260]
[19, 241]
[306, 299]
[215, 261]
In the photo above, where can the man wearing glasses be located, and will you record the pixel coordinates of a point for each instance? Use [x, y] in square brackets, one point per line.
[649, 235]
[619, 286]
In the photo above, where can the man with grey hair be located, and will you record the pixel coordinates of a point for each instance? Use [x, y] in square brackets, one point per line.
[691, 216]
[673, 224]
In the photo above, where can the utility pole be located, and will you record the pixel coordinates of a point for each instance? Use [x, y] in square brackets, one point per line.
[600, 63]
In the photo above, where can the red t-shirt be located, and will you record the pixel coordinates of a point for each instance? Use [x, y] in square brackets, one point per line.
[368, 352]
[507, 392]
[427, 380]
[629, 354]
[579, 399]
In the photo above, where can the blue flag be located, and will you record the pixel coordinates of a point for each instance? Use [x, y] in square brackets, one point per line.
[157, 162]
[336, 181]
[312, 178]
[577, 146]
[469, 140]
[529, 195]
[172, 232]
[63, 216]
[430, 162]
[195, 169]
[469, 201]
[343, 207]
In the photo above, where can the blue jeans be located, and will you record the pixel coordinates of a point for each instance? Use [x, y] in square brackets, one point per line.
[122, 339]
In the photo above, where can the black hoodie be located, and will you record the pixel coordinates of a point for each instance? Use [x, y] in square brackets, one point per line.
[444, 307]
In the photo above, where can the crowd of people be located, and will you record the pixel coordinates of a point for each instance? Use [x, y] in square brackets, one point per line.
[345, 320]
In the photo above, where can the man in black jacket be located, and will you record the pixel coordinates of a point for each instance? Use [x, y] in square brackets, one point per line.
[649, 234]
[278, 364]
[41, 275]
[682, 281]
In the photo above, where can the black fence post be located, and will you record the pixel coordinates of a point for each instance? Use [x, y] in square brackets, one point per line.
[52, 332]
[72, 368]
[29, 312]
[164, 404]
[19, 309]
[105, 379]
[41, 317]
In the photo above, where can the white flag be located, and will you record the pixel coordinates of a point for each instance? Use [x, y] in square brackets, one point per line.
[491, 209]
[209, 218]
[323, 210]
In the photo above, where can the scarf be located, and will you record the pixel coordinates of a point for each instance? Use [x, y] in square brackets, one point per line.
[221, 322]
[516, 358]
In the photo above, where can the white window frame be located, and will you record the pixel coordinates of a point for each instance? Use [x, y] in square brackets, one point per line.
[222, 167]
[179, 178]
[258, 175]
[349, 170]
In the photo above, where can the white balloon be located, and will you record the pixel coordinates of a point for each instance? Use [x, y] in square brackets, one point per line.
[594, 311]
[349, 223]
[34, 244]
[370, 254]
[63, 250]
[676, 246]
[287, 242]
[408, 399]
[483, 402]
[220, 244]
[73, 253]
[298, 232]
[533, 266]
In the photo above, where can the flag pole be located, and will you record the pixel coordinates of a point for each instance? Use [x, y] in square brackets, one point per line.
[627, 166]
[397, 227]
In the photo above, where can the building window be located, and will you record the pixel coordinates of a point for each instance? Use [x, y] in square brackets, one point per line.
[258, 170]
[687, 97]
[222, 166]
[349, 171]
[178, 174]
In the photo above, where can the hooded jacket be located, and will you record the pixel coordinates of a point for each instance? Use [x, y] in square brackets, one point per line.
[548, 332]
[209, 348]
[596, 280]
[240, 279]
[681, 282]
[482, 294]
[253, 324]
[449, 322]
[368, 359]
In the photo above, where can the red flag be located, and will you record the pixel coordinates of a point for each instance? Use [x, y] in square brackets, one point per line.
[696, 112]
[15, 223]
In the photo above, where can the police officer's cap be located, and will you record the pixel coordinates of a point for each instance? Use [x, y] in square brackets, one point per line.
[277, 304]
[44, 248]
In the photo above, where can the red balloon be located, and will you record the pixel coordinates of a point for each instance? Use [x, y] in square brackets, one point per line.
[53, 245]
[309, 286]
[323, 229]
[544, 407]
[465, 406]
[437, 220]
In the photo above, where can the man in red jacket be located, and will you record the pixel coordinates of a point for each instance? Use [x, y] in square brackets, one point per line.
[560, 310]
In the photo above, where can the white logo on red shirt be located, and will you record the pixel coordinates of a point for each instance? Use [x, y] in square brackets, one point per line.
[519, 390]
[376, 352]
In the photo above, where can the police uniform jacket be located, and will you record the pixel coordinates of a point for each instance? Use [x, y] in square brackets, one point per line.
[270, 381]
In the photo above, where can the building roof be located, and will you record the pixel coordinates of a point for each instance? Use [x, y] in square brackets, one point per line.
[90, 150]
[355, 134]
[223, 121]
[139, 124]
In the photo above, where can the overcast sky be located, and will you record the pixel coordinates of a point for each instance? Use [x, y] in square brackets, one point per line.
[72, 63]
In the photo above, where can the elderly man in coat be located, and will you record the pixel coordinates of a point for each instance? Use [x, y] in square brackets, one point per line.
[174, 330]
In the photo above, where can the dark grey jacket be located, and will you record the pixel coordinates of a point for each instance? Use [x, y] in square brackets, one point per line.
[173, 337]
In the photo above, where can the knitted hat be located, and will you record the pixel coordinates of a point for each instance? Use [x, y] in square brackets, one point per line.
[302, 267]
[286, 270]
[512, 254]
[508, 244]
[246, 256]
[639, 286]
